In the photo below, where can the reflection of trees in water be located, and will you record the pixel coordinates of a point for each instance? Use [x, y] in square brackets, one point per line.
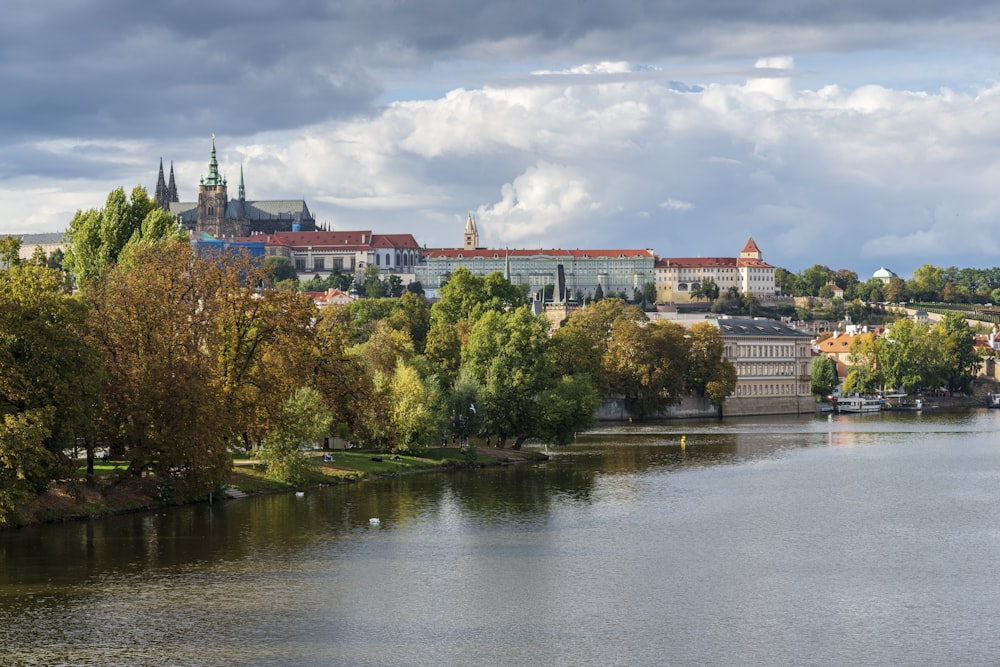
[522, 490]
[270, 526]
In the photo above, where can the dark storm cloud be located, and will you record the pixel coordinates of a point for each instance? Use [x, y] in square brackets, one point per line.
[129, 69]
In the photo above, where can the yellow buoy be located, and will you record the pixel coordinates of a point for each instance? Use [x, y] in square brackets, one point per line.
[684, 441]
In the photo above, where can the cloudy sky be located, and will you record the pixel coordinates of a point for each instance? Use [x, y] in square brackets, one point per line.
[855, 133]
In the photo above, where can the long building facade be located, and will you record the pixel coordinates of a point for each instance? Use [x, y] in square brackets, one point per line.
[582, 271]
[676, 277]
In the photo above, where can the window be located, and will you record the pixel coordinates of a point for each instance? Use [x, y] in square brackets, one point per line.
[300, 264]
[318, 264]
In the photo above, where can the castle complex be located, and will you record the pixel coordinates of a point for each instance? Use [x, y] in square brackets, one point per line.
[219, 216]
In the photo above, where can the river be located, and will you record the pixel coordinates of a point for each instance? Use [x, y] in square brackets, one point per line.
[826, 540]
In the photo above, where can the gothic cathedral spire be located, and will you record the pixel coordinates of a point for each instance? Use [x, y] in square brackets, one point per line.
[172, 185]
[162, 194]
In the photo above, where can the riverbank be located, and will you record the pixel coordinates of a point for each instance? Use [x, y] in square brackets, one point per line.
[110, 493]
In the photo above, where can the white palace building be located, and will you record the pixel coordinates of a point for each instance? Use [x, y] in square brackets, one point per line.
[616, 270]
[748, 273]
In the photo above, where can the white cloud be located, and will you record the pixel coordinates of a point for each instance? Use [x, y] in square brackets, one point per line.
[776, 62]
[676, 205]
[830, 174]
[535, 205]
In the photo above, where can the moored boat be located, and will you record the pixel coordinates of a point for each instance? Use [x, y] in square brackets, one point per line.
[858, 404]
[901, 402]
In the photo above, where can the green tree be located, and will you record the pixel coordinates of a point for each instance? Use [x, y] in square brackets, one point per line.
[709, 373]
[45, 360]
[566, 409]
[506, 355]
[462, 411]
[98, 237]
[649, 292]
[279, 269]
[864, 375]
[896, 290]
[957, 354]
[857, 311]
[900, 357]
[813, 278]
[302, 421]
[467, 297]
[417, 415]
[709, 289]
[582, 343]
[414, 317]
[24, 460]
[927, 283]
[824, 376]
[847, 280]
[444, 348]
[787, 282]
[373, 286]
[647, 365]
[153, 324]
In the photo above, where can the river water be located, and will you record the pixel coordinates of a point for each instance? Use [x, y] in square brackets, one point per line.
[826, 540]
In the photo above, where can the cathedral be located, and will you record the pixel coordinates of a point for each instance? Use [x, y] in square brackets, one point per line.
[216, 215]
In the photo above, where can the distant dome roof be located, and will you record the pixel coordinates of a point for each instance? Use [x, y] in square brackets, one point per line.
[883, 273]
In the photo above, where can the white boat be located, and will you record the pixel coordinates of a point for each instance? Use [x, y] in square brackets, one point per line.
[993, 400]
[858, 404]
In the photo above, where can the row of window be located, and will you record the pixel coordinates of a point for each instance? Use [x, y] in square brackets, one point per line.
[773, 368]
[767, 351]
[769, 389]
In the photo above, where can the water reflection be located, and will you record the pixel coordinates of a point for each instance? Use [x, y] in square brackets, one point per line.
[623, 548]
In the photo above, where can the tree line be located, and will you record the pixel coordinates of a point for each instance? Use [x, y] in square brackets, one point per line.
[173, 361]
[928, 283]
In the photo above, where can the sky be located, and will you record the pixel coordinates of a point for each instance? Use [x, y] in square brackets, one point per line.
[855, 134]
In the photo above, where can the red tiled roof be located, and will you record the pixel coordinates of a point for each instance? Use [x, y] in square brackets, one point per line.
[329, 239]
[394, 241]
[696, 262]
[356, 240]
[758, 263]
[750, 246]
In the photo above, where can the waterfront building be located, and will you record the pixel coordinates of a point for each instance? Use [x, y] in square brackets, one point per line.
[582, 271]
[773, 367]
[749, 274]
[221, 217]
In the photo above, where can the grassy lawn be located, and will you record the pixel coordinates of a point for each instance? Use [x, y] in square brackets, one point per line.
[116, 492]
[347, 466]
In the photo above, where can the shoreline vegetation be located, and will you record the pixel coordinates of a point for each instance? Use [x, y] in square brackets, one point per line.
[112, 491]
